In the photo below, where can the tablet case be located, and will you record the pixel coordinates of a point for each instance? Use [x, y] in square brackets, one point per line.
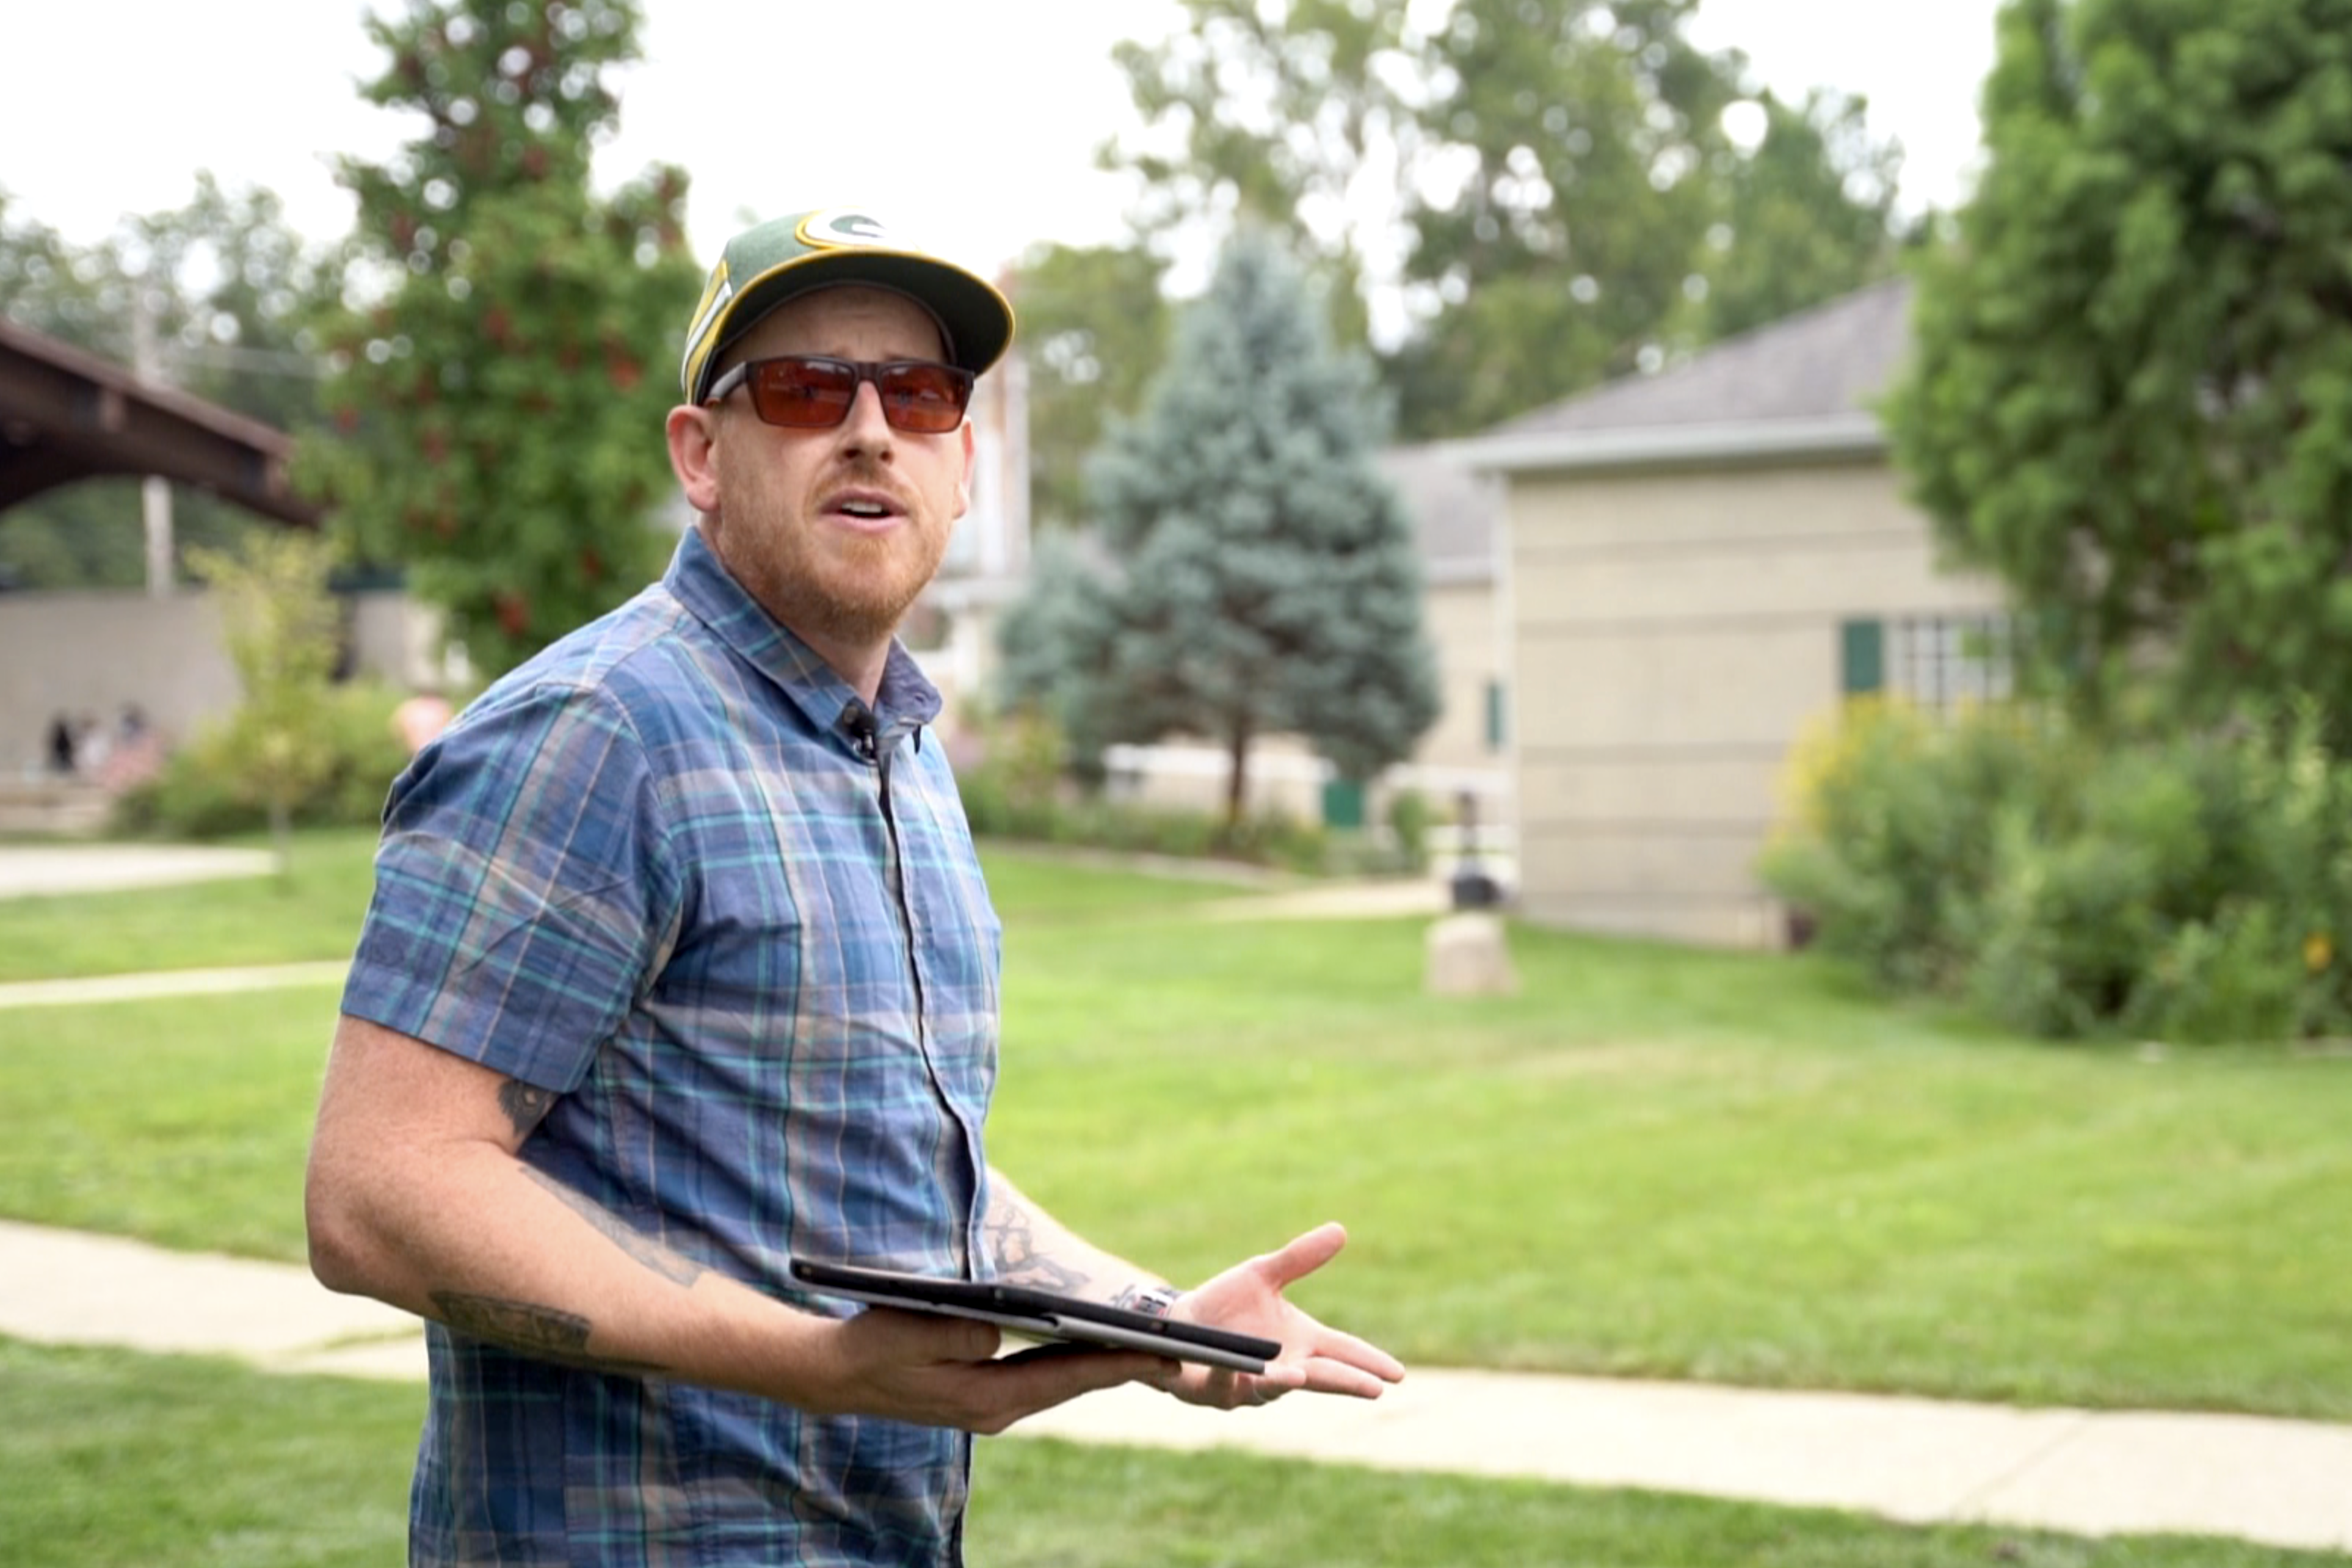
[1039, 1314]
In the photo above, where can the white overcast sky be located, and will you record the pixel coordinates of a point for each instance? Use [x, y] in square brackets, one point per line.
[972, 124]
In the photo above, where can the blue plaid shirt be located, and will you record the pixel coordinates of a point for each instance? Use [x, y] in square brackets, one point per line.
[675, 872]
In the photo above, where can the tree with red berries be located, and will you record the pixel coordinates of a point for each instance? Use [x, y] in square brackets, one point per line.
[501, 372]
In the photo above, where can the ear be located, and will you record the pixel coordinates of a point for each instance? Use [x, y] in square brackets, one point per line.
[692, 444]
[963, 481]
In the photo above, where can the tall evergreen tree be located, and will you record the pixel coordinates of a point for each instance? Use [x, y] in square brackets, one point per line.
[2132, 392]
[501, 404]
[1267, 578]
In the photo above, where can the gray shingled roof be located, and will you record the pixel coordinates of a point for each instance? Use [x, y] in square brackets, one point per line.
[1832, 359]
[1454, 508]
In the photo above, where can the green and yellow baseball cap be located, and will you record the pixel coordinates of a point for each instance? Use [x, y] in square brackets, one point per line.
[763, 267]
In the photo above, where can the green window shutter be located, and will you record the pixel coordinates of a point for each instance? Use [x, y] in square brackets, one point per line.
[1861, 657]
[1495, 735]
[1343, 802]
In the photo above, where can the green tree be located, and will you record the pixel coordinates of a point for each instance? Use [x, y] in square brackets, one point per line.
[1285, 117]
[1808, 214]
[2131, 396]
[284, 633]
[501, 403]
[1268, 582]
[231, 295]
[1554, 175]
[1094, 329]
[1584, 136]
[52, 286]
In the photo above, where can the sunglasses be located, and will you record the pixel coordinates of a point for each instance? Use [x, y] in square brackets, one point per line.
[810, 392]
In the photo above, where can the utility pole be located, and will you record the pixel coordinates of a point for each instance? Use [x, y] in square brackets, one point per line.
[154, 492]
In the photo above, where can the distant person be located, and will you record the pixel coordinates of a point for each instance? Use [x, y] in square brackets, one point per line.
[93, 742]
[61, 745]
[420, 718]
[135, 753]
[680, 963]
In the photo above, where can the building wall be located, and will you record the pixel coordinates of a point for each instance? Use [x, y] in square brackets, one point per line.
[90, 651]
[1673, 632]
[1460, 617]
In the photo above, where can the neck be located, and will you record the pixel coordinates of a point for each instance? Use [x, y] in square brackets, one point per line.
[860, 663]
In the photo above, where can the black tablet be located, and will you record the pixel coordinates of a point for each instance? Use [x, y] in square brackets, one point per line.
[1038, 1314]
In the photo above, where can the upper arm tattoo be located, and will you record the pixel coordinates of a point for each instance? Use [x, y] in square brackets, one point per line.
[525, 1104]
[1012, 1241]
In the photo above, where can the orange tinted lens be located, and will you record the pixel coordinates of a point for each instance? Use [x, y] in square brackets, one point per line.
[803, 392]
[925, 398]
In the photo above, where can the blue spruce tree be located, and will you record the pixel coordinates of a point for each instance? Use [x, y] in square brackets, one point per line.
[1264, 578]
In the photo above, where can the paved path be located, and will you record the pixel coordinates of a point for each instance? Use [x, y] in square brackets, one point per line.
[31, 870]
[2285, 1483]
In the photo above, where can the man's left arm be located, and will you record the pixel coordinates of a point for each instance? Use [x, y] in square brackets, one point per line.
[1032, 1248]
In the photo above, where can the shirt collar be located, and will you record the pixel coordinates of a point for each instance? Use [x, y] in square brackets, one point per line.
[700, 582]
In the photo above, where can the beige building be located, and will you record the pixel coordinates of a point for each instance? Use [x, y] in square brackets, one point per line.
[1697, 566]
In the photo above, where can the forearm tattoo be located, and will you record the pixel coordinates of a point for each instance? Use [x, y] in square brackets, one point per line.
[525, 1104]
[540, 1332]
[671, 1265]
[1013, 1242]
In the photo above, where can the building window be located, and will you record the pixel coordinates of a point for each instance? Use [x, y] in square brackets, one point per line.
[1934, 662]
[1495, 710]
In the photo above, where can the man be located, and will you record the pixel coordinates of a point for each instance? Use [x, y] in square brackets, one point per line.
[680, 963]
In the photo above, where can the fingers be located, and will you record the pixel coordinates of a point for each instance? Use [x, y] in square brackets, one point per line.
[1333, 1345]
[1304, 1254]
[1022, 1390]
[1323, 1375]
[915, 1335]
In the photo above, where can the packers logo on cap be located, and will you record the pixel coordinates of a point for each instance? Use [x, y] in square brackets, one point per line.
[842, 225]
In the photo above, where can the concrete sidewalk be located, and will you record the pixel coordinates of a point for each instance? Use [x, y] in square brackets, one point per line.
[2284, 1482]
[35, 870]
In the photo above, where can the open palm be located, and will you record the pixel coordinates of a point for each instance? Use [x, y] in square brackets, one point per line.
[1249, 1299]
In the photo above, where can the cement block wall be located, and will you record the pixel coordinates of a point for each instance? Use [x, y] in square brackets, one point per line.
[90, 651]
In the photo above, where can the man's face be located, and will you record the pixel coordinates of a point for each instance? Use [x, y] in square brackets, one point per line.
[836, 530]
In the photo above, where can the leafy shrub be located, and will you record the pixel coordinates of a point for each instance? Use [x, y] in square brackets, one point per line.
[1014, 787]
[203, 792]
[2189, 887]
[1894, 837]
[1410, 819]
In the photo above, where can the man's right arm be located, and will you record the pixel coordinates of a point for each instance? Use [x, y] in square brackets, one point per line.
[417, 1195]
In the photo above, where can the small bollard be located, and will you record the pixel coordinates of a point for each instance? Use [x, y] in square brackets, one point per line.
[1467, 956]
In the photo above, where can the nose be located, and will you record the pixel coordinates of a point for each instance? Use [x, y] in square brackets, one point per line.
[864, 429]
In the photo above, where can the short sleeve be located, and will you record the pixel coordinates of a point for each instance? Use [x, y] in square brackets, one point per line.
[523, 891]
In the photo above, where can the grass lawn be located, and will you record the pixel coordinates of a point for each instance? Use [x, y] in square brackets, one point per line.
[1651, 1162]
[116, 1460]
